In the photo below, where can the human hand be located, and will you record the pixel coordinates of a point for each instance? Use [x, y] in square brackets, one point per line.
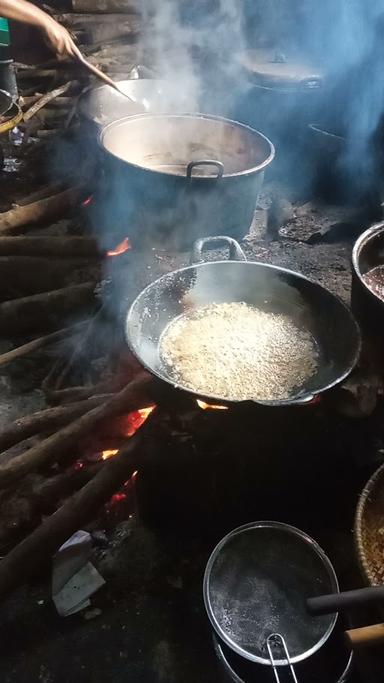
[60, 39]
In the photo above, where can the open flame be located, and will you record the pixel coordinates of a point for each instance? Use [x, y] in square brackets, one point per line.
[132, 423]
[210, 406]
[136, 419]
[88, 200]
[121, 248]
[109, 453]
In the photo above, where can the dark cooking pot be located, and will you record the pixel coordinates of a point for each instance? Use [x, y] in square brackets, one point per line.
[283, 94]
[332, 664]
[255, 585]
[368, 252]
[6, 102]
[179, 177]
[267, 287]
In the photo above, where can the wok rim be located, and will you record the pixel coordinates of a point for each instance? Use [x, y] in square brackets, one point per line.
[85, 97]
[305, 397]
[197, 115]
[309, 541]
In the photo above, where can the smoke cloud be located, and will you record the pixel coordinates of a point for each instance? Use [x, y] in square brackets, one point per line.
[198, 46]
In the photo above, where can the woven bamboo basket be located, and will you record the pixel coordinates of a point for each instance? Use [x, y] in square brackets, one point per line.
[369, 529]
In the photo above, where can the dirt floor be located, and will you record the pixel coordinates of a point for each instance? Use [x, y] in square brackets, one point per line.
[148, 624]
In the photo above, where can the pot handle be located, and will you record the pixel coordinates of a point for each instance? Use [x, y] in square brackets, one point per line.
[338, 602]
[275, 639]
[235, 251]
[205, 162]
[365, 636]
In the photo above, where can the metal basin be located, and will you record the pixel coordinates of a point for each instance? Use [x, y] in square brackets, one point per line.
[177, 177]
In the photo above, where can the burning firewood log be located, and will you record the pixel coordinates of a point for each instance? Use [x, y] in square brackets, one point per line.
[21, 510]
[135, 395]
[43, 209]
[39, 310]
[42, 543]
[79, 393]
[46, 420]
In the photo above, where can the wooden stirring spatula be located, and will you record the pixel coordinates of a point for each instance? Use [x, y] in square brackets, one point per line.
[103, 77]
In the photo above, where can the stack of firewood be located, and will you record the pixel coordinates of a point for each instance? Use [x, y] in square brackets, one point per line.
[46, 282]
[108, 33]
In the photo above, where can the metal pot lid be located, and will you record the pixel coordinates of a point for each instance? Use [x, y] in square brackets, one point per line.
[276, 69]
[256, 584]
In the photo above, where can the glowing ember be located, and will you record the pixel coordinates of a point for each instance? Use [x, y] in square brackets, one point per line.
[136, 419]
[132, 422]
[210, 406]
[88, 200]
[118, 497]
[121, 248]
[109, 453]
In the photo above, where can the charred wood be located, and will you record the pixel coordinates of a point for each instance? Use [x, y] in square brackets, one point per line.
[134, 396]
[36, 344]
[59, 247]
[37, 548]
[43, 209]
[24, 275]
[45, 420]
[39, 310]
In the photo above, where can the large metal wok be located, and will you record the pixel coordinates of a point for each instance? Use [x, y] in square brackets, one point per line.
[310, 306]
[103, 105]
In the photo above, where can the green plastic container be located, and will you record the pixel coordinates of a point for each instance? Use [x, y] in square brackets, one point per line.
[4, 32]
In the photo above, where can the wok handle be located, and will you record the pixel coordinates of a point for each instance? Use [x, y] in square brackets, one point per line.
[368, 635]
[328, 604]
[235, 251]
[205, 162]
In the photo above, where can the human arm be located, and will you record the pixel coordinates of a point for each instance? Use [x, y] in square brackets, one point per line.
[56, 35]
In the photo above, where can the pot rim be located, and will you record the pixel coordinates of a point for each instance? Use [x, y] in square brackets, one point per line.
[298, 400]
[361, 241]
[220, 653]
[206, 584]
[249, 171]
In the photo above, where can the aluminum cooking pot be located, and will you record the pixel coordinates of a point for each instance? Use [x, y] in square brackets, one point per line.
[368, 253]
[255, 586]
[307, 303]
[178, 177]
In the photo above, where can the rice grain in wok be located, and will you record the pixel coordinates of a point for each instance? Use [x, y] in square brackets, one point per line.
[238, 352]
